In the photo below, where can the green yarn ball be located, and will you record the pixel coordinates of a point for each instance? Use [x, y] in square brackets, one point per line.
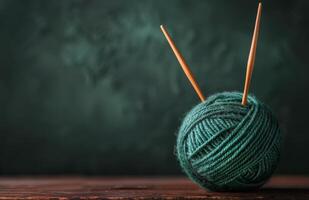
[224, 146]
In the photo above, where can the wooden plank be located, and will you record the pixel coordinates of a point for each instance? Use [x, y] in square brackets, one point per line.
[280, 187]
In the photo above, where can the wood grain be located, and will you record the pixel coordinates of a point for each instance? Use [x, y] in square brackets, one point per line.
[282, 187]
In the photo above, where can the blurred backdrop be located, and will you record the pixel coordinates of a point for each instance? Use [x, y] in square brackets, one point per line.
[92, 87]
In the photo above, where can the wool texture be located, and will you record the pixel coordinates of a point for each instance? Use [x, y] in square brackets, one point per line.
[225, 146]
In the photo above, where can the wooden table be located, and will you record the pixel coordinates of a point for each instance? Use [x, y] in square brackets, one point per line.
[283, 187]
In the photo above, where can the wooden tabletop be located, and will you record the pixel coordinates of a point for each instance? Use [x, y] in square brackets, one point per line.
[280, 187]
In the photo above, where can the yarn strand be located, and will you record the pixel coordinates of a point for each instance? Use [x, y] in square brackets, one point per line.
[224, 146]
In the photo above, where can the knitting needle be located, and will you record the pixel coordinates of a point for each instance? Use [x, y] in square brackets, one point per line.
[183, 64]
[251, 58]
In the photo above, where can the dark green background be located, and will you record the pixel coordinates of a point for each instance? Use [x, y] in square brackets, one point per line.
[92, 87]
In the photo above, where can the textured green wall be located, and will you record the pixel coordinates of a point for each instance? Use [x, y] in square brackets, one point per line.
[91, 86]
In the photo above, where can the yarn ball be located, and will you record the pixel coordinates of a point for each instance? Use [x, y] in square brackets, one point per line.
[225, 146]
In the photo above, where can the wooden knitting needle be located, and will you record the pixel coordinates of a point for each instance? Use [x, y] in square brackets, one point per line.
[183, 64]
[252, 53]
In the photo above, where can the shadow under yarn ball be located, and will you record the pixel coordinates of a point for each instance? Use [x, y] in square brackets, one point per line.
[225, 146]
